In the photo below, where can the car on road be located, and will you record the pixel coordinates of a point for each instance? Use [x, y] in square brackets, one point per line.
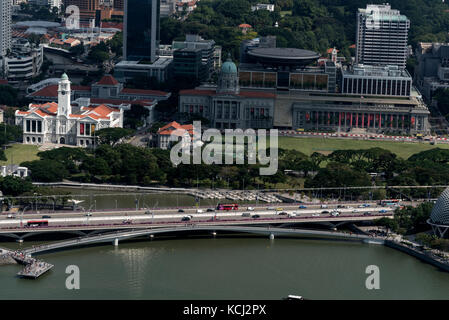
[10, 216]
[355, 211]
[283, 213]
[383, 211]
[210, 210]
[366, 205]
[256, 216]
[127, 221]
[340, 206]
[292, 214]
[325, 212]
[250, 209]
[46, 217]
[367, 213]
[302, 207]
[199, 211]
[246, 214]
[335, 213]
[181, 211]
[271, 208]
[324, 206]
[186, 218]
[89, 214]
[148, 212]
[315, 215]
[279, 209]
[361, 206]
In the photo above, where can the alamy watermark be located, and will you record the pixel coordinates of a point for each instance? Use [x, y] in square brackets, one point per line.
[72, 282]
[373, 280]
[210, 147]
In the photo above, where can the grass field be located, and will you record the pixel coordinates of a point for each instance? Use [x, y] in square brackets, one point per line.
[19, 153]
[326, 145]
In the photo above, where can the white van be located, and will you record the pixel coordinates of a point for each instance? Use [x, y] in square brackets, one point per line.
[199, 211]
[292, 214]
[10, 216]
[324, 206]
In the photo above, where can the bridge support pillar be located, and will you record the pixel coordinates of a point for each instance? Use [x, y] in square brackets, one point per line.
[271, 236]
[115, 242]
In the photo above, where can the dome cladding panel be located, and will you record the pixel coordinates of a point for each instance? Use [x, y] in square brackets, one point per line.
[440, 211]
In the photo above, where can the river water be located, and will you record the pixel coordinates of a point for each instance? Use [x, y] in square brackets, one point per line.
[228, 268]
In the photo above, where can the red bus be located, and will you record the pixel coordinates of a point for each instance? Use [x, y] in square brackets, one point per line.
[37, 223]
[228, 207]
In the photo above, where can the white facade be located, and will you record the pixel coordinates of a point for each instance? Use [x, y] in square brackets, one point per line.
[5, 26]
[14, 170]
[58, 123]
[263, 6]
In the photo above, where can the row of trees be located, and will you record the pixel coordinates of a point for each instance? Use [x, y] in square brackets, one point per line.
[116, 162]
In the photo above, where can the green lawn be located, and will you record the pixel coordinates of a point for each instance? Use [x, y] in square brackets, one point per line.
[326, 146]
[19, 153]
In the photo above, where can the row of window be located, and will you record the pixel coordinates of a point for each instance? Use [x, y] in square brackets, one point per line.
[33, 126]
[377, 87]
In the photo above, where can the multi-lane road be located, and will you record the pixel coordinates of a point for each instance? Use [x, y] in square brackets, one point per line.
[276, 214]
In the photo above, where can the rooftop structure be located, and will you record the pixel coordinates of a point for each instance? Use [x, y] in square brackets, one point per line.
[290, 57]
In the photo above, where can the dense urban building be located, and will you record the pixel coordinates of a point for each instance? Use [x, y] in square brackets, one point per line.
[382, 35]
[432, 72]
[24, 61]
[62, 123]
[89, 5]
[51, 3]
[5, 26]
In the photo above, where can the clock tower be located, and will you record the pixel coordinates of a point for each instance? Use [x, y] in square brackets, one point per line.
[64, 92]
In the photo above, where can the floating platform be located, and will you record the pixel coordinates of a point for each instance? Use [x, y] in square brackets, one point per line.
[35, 270]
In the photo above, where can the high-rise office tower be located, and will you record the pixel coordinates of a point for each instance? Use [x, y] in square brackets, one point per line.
[141, 30]
[5, 26]
[382, 35]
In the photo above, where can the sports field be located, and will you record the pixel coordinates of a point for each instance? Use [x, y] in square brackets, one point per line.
[19, 153]
[328, 145]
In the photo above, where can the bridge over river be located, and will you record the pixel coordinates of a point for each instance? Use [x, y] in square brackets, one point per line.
[271, 232]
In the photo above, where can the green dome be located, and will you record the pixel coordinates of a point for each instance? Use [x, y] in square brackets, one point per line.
[229, 66]
[65, 76]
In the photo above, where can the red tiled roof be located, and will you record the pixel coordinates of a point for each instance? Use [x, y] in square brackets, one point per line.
[144, 92]
[170, 128]
[108, 80]
[116, 25]
[245, 25]
[49, 91]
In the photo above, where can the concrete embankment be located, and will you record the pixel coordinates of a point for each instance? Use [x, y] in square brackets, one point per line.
[418, 254]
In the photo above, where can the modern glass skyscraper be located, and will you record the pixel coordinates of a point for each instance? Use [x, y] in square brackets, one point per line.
[5, 26]
[141, 30]
[382, 36]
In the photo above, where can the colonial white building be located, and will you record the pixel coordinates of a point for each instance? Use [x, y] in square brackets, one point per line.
[63, 123]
